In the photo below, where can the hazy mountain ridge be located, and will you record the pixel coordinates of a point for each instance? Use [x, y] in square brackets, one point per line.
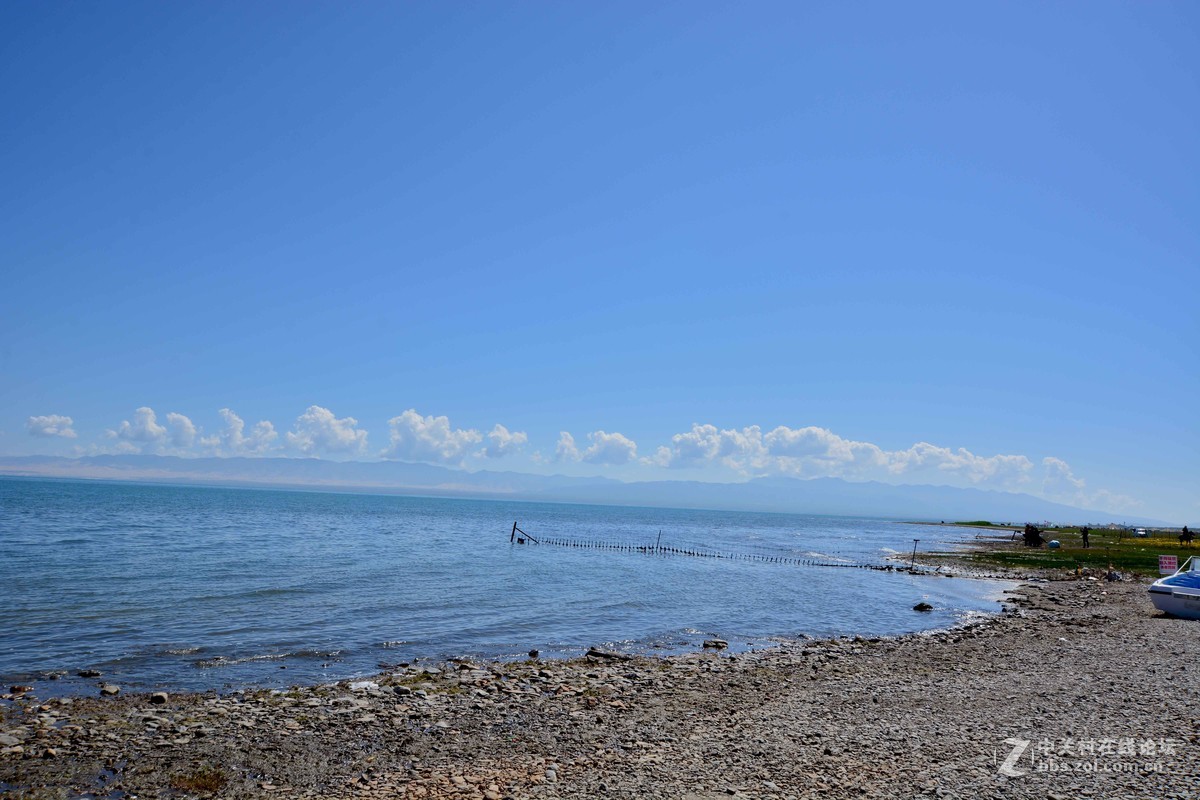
[791, 495]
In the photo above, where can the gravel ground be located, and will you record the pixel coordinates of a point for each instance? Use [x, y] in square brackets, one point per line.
[1085, 671]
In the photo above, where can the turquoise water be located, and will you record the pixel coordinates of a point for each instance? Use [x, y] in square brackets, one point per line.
[199, 588]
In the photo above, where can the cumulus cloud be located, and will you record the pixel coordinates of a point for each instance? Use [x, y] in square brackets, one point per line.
[1060, 483]
[1009, 470]
[431, 439]
[233, 440]
[610, 448]
[51, 425]
[1058, 478]
[181, 431]
[317, 431]
[143, 430]
[144, 433]
[819, 452]
[605, 448]
[566, 450]
[502, 442]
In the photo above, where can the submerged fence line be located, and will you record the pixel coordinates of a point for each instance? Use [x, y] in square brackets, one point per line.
[658, 549]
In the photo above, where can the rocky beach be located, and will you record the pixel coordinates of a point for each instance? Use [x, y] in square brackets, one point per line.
[1079, 688]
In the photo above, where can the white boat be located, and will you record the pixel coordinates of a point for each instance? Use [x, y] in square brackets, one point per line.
[1179, 594]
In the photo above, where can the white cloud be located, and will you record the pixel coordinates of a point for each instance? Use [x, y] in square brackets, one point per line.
[1060, 483]
[566, 450]
[819, 452]
[143, 431]
[605, 448]
[1059, 480]
[1006, 470]
[417, 438]
[233, 440]
[609, 448]
[317, 431]
[502, 443]
[182, 431]
[51, 425]
[144, 434]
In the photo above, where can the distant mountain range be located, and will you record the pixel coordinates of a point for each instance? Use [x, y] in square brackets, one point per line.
[792, 495]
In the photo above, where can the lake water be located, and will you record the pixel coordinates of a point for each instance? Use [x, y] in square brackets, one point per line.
[201, 588]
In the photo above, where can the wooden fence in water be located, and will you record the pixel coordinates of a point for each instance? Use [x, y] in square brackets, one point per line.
[519, 536]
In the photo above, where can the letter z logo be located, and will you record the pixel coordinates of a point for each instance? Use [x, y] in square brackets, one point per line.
[1009, 767]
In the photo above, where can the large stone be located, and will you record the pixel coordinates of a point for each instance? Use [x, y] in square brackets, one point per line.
[716, 644]
[595, 652]
[922, 606]
[89, 673]
[110, 690]
[159, 698]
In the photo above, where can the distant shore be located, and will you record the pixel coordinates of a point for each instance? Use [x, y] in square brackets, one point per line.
[967, 525]
[1065, 552]
[1067, 663]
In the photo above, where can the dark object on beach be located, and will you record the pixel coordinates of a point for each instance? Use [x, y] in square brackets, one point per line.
[1033, 536]
[716, 644]
[159, 698]
[922, 606]
[1084, 532]
[1186, 536]
[533, 653]
[89, 673]
[20, 689]
[594, 652]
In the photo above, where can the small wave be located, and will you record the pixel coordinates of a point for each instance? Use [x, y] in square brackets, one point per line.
[254, 594]
[230, 661]
[180, 651]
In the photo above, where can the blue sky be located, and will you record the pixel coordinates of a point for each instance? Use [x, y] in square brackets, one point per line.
[944, 243]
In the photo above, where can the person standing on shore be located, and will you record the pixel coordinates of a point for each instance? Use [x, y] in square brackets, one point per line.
[1084, 532]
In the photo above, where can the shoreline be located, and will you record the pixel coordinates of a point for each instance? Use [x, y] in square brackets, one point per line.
[922, 713]
[82, 684]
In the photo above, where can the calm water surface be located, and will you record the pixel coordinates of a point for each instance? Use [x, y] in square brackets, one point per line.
[198, 588]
